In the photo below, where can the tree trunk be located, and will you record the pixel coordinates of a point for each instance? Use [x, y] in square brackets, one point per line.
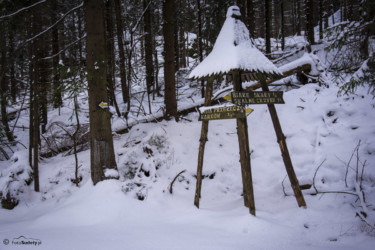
[148, 49]
[310, 21]
[57, 88]
[169, 62]
[250, 17]
[199, 39]
[282, 24]
[4, 85]
[110, 56]
[36, 66]
[259, 18]
[321, 10]
[267, 20]
[301, 15]
[120, 44]
[101, 143]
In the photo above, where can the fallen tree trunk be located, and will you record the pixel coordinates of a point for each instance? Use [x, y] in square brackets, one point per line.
[306, 68]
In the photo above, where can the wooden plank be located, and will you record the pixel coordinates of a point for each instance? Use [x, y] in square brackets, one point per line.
[202, 143]
[284, 150]
[228, 112]
[255, 97]
[243, 140]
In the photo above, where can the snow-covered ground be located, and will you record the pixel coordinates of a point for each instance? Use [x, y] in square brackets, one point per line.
[138, 211]
[331, 140]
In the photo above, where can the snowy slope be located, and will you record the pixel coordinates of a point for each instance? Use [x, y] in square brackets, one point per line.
[318, 126]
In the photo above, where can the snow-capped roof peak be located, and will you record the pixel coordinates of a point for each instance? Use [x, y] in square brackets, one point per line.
[234, 49]
[233, 11]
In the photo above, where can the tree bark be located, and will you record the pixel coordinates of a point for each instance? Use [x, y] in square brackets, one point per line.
[120, 44]
[56, 83]
[148, 49]
[110, 56]
[199, 39]
[267, 20]
[310, 21]
[101, 144]
[169, 62]
[250, 17]
[4, 85]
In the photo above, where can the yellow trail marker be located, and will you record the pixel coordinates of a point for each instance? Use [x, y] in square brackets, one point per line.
[104, 105]
[248, 111]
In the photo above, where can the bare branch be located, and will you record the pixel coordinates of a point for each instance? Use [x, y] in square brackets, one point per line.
[316, 171]
[348, 165]
[282, 183]
[53, 25]
[61, 51]
[140, 18]
[170, 187]
[22, 9]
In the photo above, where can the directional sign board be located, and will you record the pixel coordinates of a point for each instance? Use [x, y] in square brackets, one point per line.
[228, 112]
[255, 97]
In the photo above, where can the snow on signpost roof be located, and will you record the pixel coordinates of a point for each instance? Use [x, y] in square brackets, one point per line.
[234, 49]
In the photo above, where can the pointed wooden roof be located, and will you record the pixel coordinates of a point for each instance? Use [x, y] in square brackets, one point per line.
[234, 49]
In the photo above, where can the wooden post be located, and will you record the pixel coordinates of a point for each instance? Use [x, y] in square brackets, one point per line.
[202, 143]
[243, 140]
[284, 149]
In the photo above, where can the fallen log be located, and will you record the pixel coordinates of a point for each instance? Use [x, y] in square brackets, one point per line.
[305, 68]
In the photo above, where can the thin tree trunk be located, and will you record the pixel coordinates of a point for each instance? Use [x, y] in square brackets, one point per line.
[321, 10]
[156, 74]
[250, 17]
[282, 24]
[148, 50]
[199, 39]
[267, 20]
[120, 44]
[310, 21]
[57, 91]
[4, 86]
[169, 62]
[110, 56]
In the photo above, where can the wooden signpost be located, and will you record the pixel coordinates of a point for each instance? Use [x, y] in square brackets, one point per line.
[241, 65]
[255, 97]
[239, 112]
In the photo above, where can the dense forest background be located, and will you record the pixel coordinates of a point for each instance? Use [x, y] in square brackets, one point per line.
[127, 52]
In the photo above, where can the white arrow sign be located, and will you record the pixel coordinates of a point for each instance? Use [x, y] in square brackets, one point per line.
[104, 105]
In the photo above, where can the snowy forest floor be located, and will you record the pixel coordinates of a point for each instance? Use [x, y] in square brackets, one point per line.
[318, 126]
[335, 133]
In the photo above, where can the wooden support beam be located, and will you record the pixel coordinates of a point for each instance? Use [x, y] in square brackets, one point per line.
[202, 143]
[243, 140]
[284, 149]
